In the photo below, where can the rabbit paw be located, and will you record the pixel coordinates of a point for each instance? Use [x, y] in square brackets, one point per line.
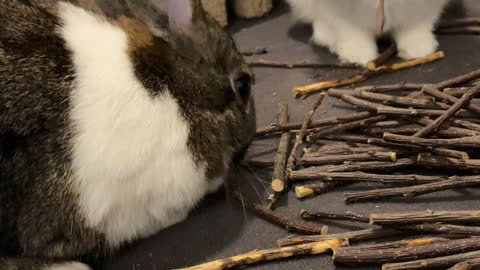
[360, 51]
[415, 43]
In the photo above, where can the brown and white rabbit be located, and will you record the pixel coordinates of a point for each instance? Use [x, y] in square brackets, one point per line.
[116, 118]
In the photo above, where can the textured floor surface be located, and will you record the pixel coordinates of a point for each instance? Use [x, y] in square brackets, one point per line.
[219, 228]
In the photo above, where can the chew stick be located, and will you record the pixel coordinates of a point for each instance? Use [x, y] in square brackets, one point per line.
[380, 16]
[465, 30]
[260, 256]
[315, 124]
[435, 125]
[383, 57]
[459, 22]
[364, 177]
[425, 217]
[458, 80]
[433, 263]
[313, 88]
[356, 257]
[434, 161]
[301, 135]
[318, 134]
[365, 166]
[413, 191]
[331, 216]
[279, 172]
[450, 99]
[445, 229]
[467, 265]
[352, 236]
[334, 159]
[274, 217]
[302, 64]
[313, 189]
[473, 142]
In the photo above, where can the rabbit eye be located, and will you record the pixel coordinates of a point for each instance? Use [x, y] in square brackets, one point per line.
[243, 85]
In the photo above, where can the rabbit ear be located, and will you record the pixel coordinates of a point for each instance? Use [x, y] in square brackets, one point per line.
[180, 12]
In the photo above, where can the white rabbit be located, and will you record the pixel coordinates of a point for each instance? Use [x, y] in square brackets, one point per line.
[348, 27]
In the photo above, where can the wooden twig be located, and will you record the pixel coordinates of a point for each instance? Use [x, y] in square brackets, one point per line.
[465, 124]
[373, 141]
[301, 135]
[313, 189]
[452, 217]
[309, 174]
[447, 229]
[383, 57]
[443, 162]
[380, 17]
[448, 131]
[467, 265]
[450, 99]
[265, 255]
[435, 125]
[459, 22]
[433, 263]
[413, 191]
[458, 80]
[352, 236]
[469, 142]
[302, 64]
[465, 30]
[318, 134]
[353, 256]
[336, 159]
[313, 88]
[279, 172]
[365, 166]
[330, 216]
[383, 109]
[390, 100]
[314, 124]
[463, 156]
[276, 218]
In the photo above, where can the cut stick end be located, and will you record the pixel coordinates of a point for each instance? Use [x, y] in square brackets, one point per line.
[393, 156]
[324, 230]
[278, 185]
[371, 66]
[303, 192]
[297, 92]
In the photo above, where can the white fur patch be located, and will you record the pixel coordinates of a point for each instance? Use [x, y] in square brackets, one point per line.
[69, 266]
[132, 167]
[347, 28]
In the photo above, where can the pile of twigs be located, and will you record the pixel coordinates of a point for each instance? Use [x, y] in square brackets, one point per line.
[396, 128]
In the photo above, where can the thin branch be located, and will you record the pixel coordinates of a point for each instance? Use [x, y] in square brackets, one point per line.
[383, 57]
[444, 229]
[450, 99]
[459, 22]
[407, 218]
[458, 80]
[467, 265]
[313, 88]
[413, 191]
[353, 256]
[334, 159]
[434, 263]
[279, 172]
[330, 216]
[301, 135]
[435, 126]
[313, 189]
[265, 255]
[443, 162]
[309, 174]
[302, 64]
[469, 142]
[314, 124]
[319, 134]
[274, 217]
[351, 237]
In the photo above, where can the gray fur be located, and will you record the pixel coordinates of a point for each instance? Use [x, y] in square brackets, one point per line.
[38, 215]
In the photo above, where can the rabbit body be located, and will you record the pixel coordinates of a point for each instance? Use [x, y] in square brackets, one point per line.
[115, 120]
[348, 27]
